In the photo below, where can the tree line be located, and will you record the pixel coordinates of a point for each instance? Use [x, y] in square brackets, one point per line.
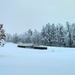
[50, 35]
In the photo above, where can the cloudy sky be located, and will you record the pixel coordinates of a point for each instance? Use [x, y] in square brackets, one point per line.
[20, 15]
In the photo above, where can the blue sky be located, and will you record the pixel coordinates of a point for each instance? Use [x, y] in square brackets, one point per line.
[20, 15]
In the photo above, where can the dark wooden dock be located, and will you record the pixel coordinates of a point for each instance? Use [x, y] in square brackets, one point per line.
[32, 46]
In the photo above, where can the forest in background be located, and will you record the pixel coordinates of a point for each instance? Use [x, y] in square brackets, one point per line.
[50, 35]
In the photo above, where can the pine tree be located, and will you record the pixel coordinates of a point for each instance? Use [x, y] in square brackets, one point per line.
[60, 35]
[2, 32]
[73, 35]
[48, 34]
[15, 38]
[36, 38]
[53, 35]
[69, 34]
[8, 37]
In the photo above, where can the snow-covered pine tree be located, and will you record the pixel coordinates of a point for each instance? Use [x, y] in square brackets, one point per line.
[53, 35]
[69, 32]
[15, 38]
[8, 37]
[43, 35]
[2, 35]
[2, 32]
[30, 32]
[36, 38]
[48, 34]
[26, 36]
[73, 35]
[60, 35]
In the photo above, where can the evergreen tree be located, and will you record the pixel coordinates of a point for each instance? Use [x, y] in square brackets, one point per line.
[15, 38]
[48, 34]
[36, 38]
[69, 34]
[8, 37]
[53, 35]
[73, 35]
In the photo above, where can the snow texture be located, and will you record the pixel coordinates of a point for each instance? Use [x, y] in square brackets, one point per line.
[24, 61]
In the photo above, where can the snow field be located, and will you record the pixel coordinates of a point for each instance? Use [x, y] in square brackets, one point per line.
[24, 61]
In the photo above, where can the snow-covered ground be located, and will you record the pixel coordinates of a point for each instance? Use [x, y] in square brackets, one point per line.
[23, 61]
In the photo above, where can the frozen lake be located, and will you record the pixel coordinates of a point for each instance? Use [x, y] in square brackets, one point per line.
[23, 61]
